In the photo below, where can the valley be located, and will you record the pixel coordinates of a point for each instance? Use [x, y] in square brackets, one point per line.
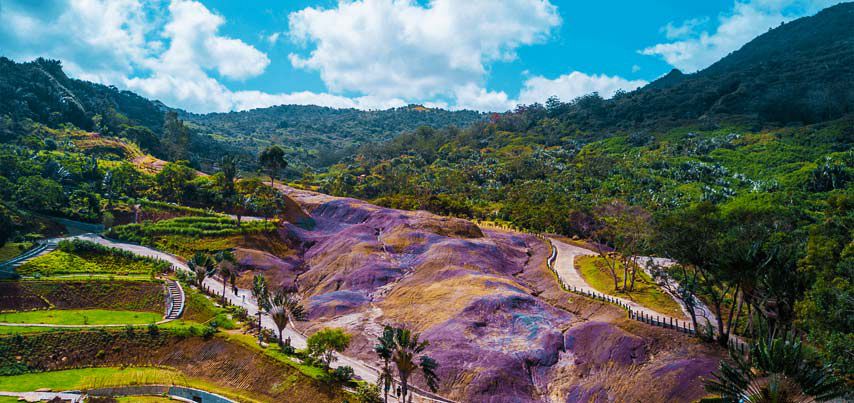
[689, 240]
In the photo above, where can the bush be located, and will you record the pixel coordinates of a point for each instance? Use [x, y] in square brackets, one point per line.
[343, 373]
[368, 393]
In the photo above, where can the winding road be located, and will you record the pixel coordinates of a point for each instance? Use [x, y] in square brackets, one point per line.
[565, 267]
[243, 298]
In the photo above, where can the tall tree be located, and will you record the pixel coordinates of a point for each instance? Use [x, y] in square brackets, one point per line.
[273, 161]
[202, 265]
[285, 308]
[176, 137]
[408, 357]
[626, 229]
[385, 349]
[224, 266]
[262, 297]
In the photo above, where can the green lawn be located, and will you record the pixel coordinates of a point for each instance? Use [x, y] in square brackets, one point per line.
[87, 277]
[88, 377]
[13, 249]
[646, 292]
[81, 317]
[91, 378]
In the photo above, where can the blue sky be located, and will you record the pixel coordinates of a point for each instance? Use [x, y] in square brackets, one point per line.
[221, 55]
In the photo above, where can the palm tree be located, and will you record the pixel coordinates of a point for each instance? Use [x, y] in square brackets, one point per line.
[261, 294]
[407, 348]
[384, 349]
[776, 370]
[285, 308]
[224, 259]
[201, 265]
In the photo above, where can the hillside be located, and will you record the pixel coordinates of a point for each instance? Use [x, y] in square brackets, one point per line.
[315, 136]
[799, 72]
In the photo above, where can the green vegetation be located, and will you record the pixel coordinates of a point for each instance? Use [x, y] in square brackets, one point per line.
[646, 292]
[79, 379]
[323, 344]
[81, 317]
[13, 249]
[83, 257]
[189, 226]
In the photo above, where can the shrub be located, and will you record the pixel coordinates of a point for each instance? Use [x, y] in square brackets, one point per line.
[343, 373]
[368, 393]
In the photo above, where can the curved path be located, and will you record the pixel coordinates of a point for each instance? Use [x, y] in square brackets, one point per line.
[243, 298]
[564, 266]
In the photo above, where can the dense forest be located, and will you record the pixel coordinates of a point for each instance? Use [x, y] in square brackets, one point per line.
[315, 136]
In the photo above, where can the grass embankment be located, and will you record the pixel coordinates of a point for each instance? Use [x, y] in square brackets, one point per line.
[83, 257]
[594, 271]
[13, 249]
[81, 317]
[94, 378]
[184, 236]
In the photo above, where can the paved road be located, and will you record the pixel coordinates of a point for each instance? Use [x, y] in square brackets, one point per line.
[244, 299]
[565, 268]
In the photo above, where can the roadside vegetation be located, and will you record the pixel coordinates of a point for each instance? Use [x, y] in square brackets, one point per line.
[81, 317]
[84, 257]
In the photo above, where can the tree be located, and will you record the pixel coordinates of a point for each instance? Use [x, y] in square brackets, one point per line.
[224, 261]
[176, 137]
[173, 180]
[324, 343]
[261, 294]
[202, 265]
[285, 308]
[7, 228]
[385, 349]
[626, 229]
[776, 370]
[273, 161]
[408, 356]
[40, 194]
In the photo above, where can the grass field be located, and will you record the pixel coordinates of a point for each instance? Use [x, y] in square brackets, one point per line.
[90, 378]
[81, 317]
[646, 292]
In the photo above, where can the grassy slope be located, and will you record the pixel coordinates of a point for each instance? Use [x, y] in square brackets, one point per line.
[13, 249]
[645, 292]
[81, 317]
[78, 379]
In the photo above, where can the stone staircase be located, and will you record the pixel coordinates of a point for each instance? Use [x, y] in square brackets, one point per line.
[174, 300]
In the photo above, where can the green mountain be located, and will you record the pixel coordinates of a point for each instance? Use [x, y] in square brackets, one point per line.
[316, 136]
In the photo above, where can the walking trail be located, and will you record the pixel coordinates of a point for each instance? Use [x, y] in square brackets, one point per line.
[243, 298]
[564, 265]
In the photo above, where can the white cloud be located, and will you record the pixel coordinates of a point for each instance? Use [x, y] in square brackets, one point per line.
[472, 97]
[573, 85]
[686, 28]
[273, 38]
[745, 21]
[402, 49]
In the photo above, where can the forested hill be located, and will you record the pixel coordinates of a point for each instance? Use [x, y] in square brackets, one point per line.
[799, 72]
[318, 136]
[313, 136]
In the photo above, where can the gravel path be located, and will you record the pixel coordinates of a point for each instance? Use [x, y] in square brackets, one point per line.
[565, 268]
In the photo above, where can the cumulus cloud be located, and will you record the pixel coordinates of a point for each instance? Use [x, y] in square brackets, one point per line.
[573, 85]
[402, 49]
[744, 22]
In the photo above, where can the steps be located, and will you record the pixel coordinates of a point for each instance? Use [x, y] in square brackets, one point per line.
[174, 300]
